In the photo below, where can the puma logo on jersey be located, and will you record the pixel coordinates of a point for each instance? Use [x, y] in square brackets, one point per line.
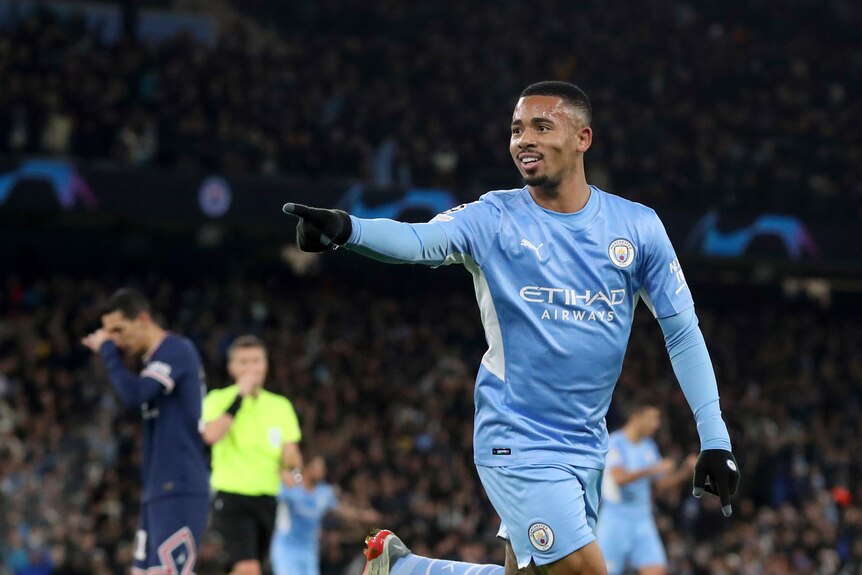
[529, 245]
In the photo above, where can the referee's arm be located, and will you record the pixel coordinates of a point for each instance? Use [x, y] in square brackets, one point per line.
[217, 428]
[291, 456]
[291, 463]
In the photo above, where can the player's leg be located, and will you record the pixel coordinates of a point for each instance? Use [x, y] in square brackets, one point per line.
[247, 567]
[583, 560]
[549, 517]
[142, 555]
[616, 538]
[648, 555]
[282, 557]
[387, 555]
[173, 529]
[310, 565]
[236, 523]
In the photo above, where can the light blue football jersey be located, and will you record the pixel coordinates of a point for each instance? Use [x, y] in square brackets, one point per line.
[634, 496]
[557, 294]
[300, 516]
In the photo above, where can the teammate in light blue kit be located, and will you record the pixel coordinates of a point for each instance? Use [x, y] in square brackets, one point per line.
[558, 267]
[627, 531]
[302, 507]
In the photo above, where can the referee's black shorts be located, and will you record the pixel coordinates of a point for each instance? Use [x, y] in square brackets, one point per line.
[245, 523]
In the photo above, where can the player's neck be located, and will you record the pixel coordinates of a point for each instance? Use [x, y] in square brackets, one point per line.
[566, 198]
[632, 433]
[155, 335]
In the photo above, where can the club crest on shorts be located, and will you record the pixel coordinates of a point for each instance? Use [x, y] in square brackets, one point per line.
[622, 253]
[541, 536]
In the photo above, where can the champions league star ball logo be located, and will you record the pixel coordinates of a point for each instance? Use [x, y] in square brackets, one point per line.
[541, 536]
[622, 253]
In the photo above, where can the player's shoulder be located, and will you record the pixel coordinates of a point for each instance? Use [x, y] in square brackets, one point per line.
[500, 198]
[178, 346]
[488, 207]
[617, 437]
[329, 493]
[625, 207]
[326, 488]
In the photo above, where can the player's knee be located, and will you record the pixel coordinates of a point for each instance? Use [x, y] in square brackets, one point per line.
[585, 561]
[653, 570]
[246, 567]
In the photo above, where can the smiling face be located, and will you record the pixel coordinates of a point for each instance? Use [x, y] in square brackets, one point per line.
[548, 140]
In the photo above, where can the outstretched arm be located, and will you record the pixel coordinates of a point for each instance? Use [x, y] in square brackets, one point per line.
[458, 235]
[398, 242]
[381, 239]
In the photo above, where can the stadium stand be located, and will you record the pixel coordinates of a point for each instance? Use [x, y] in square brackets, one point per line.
[735, 104]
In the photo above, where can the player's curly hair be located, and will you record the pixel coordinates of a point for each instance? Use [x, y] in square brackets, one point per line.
[569, 93]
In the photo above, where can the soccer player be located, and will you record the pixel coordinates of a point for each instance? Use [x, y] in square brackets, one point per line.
[169, 391]
[255, 436]
[558, 268]
[302, 507]
[626, 531]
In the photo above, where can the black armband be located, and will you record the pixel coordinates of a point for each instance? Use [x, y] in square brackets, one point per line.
[234, 407]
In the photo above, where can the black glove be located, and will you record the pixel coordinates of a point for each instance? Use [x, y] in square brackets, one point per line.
[716, 472]
[318, 229]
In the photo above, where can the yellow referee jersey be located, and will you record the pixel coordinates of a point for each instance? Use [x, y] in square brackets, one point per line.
[247, 460]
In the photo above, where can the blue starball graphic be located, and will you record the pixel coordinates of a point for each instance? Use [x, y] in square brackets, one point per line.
[412, 204]
[788, 236]
[67, 184]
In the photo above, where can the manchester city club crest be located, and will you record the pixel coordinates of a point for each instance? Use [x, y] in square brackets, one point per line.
[541, 536]
[622, 253]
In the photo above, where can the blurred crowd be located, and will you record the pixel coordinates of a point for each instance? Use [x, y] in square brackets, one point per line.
[735, 104]
[382, 379]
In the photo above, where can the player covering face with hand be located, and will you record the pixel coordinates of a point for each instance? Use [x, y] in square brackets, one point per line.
[558, 267]
[168, 390]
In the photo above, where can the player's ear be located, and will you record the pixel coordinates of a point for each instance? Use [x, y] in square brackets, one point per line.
[585, 139]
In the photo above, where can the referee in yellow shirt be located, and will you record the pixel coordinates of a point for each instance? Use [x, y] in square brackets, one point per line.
[254, 435]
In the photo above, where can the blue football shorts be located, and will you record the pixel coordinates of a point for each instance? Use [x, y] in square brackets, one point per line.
[169, 531]
[630, 540]
[548, 511]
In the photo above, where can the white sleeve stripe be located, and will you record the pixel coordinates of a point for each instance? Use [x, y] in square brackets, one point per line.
[160, 377]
